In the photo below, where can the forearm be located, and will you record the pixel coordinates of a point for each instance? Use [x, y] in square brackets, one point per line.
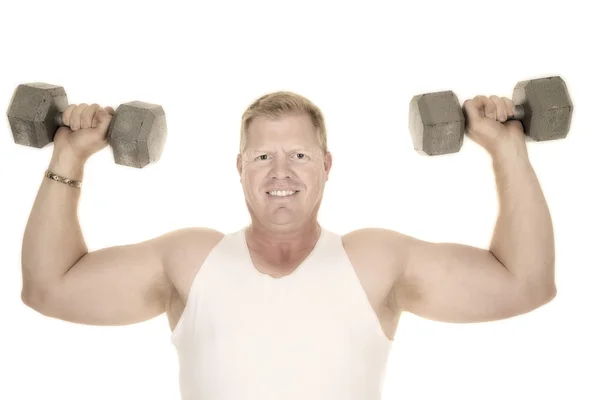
[53, 240]
[523, 239]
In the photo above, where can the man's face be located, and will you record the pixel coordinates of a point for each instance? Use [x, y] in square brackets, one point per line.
[283, 156]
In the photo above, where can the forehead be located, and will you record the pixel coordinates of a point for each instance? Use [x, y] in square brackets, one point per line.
[287, 129]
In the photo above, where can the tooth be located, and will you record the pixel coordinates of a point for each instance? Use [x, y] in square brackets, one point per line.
[282, 193]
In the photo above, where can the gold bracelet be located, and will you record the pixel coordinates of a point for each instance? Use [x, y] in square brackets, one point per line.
[62, 179]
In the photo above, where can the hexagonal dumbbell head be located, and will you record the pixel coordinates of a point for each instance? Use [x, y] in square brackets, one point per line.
[32, 113]
[436, 123]
[138, 133]
[547, 107]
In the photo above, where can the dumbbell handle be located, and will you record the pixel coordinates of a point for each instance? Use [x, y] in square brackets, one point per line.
[58, 119]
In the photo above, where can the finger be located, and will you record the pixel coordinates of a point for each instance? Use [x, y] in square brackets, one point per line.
[473, 108]
[102, 119]
[109, 110]
[480, 107]
[510, 107]
[87, 115]
[66, 116]
[501, 108]
[75, 120]
[489, 108]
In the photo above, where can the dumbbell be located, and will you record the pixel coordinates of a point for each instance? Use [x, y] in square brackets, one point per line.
[137, 132]
[437, 121]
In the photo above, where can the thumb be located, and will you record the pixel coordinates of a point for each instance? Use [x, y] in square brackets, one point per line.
[514, 125]
[61, 132]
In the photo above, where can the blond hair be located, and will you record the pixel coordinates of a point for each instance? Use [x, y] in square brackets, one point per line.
[280, 103]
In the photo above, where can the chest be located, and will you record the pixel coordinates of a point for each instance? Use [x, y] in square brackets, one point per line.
[378, 291]
[320, 336]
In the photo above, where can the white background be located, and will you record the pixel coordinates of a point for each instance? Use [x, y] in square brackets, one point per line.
[361, 62]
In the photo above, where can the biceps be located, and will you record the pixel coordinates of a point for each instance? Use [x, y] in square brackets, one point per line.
[112, 286]
[459, 283]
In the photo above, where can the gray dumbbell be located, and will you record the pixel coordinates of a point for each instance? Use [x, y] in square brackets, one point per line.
[437, 121]
[137, 132]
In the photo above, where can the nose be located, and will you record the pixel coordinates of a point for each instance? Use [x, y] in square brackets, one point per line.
[280, 169]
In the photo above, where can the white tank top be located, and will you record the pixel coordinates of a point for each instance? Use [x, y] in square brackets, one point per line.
[244, 335]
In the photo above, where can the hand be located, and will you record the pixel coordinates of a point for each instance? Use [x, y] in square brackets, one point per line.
[487, 124]
[86, 130]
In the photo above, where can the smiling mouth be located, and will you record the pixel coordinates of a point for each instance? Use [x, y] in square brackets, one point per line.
[282, 193]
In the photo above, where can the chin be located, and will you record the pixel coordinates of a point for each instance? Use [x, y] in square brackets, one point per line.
[284, 220]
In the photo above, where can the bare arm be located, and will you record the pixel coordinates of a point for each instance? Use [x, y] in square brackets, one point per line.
[62, 279]
[53, 240]
[111, 286]
[460, 283]
[523, 239]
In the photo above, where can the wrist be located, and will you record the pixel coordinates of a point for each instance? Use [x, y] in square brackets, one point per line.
[67, 165]
[509, 155]
[509, 164]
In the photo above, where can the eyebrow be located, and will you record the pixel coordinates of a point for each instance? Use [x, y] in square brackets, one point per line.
[259, 150]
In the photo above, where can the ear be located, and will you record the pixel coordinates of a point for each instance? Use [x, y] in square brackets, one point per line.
[327, 161]
[239, 164]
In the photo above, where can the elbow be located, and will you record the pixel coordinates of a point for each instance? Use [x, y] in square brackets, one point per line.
[534, 291]
[547, 287]
[541, 295]
[30, 296]
[35, 298]
[536, 288]
[550, 293]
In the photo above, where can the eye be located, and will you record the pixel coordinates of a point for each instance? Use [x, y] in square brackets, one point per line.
[301, 156]
[262, 157]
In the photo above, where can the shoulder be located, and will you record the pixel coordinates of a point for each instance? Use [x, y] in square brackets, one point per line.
[183, 251]
[378, 240]
[381, 257]
[179, 242]
[385, 249]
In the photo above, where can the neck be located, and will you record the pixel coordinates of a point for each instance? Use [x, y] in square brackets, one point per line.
[281, 245]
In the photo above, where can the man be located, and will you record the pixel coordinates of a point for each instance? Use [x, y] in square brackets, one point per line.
[284, 308]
